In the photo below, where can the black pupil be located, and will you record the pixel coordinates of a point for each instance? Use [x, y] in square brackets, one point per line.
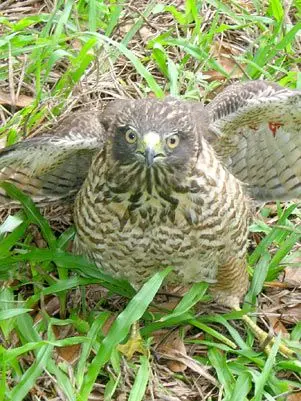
[172, 141]
[131, 135]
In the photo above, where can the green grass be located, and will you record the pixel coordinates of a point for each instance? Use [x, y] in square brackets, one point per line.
[62, 54]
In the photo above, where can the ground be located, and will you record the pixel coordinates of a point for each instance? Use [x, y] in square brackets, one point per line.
[58, 315]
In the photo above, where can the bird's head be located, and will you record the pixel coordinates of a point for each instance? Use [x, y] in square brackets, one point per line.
[156, 134]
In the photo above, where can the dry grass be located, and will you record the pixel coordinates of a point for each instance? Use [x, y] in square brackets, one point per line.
[46, 74]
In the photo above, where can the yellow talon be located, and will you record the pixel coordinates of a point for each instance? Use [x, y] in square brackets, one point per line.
[134, 344]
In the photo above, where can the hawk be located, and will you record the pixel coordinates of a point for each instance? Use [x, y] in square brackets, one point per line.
[168, 183]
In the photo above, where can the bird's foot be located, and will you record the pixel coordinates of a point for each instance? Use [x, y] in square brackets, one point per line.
[266, 341]
[134, 344]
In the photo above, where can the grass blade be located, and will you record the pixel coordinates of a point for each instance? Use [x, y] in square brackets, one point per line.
[139, 386]
[263, 378]
[31, 211]
[120, 328]
[31, 375]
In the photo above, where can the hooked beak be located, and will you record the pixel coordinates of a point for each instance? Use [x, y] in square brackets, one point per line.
[149, 156]
[151, 148]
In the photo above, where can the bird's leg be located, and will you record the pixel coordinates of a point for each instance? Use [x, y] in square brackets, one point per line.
[264, 338]
[134, 344]
[232, 284]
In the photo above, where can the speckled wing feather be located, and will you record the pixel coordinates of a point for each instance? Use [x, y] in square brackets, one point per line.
[257, 133]
[53, 166]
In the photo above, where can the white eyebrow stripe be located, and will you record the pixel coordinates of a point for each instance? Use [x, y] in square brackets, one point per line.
[167, 135]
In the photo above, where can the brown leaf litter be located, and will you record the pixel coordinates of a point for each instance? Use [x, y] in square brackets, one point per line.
[175, 374]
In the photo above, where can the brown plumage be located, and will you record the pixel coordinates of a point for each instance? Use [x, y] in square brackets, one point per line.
[168, 183]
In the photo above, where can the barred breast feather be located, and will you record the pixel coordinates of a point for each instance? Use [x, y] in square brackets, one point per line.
[206, 229]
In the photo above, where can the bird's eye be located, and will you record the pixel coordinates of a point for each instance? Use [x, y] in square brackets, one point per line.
[130, 136]
[173, 141]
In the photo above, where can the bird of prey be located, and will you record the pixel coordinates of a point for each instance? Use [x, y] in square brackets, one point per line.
[168, 183]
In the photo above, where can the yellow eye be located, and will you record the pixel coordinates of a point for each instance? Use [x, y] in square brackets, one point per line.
[173, 141]
[130, 136]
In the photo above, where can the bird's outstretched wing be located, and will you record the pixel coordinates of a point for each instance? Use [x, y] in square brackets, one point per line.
[53, 166]
[256, 131]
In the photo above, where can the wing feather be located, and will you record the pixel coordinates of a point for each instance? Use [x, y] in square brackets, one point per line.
[257, 131]
[53, 166]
